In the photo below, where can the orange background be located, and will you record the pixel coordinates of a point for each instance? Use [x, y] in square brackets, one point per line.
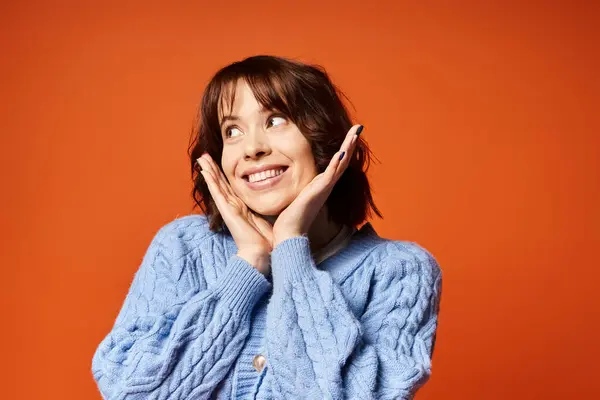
[484, 119]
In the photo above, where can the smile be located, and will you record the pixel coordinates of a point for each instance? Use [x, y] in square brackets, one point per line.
[261, 176]
[265, 179]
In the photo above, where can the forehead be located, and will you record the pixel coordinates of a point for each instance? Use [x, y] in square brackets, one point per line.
[238, 99]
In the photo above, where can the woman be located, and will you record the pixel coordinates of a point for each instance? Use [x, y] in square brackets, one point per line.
[274, 292]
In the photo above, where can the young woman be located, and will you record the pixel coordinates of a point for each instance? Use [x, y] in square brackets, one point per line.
[275, 292]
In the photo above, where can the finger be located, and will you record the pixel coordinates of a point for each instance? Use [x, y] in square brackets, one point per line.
[354, 142]
[218, 190]
[205, 166]
[341, 159]
[223, 178]
[214, 190]
[348, 146]
[218, 175]
[334, 163]
[345, 149]
[350, 138]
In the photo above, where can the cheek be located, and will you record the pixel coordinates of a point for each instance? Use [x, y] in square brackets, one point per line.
[297, 149]
[228, 165]
[306, 161]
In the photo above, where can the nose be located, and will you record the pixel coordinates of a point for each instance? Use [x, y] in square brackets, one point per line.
[256, 146]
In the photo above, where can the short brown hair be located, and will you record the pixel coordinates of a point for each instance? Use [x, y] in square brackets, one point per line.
[306, 95]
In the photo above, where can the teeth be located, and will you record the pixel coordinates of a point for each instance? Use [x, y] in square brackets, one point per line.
[261, 176]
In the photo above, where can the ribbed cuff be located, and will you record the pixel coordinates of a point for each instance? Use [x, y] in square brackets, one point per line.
[242, 285]
[292, 260]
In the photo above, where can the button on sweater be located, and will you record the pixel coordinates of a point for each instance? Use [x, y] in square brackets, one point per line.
[359, 325]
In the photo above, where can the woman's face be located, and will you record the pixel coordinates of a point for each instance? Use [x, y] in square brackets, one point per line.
[266, 159]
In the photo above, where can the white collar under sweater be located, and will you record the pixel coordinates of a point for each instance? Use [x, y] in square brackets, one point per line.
[339, 241]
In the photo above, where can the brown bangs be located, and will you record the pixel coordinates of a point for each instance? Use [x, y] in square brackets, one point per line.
[266, 85]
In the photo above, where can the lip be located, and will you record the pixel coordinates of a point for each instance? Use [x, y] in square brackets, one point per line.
[261, 168]
[267, 183]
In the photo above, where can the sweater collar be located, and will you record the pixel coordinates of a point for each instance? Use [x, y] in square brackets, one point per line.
[344, 262]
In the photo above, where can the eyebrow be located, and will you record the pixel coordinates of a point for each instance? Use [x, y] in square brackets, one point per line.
[226, 118]
[229, 118]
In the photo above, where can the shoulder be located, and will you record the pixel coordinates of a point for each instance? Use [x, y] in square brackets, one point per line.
[412, 270]
[406, 259]
[183, 235]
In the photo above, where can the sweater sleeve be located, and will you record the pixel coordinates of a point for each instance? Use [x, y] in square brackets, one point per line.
[168, 343]
[317, 348]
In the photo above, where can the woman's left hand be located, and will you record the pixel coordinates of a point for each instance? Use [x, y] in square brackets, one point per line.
[298, 217]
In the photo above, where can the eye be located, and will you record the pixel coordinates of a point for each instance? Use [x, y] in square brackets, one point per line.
[276, 120]
[232, 131]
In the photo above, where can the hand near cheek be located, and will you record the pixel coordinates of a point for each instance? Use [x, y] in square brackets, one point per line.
[298, 217]
[252, 234]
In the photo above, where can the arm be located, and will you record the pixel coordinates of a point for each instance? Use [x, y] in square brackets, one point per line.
[317, 348]
[166, 345]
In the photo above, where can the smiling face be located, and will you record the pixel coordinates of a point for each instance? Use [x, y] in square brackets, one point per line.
[266, 159]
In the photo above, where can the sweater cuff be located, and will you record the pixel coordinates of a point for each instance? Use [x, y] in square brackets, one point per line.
[292, 261]
[242, 285]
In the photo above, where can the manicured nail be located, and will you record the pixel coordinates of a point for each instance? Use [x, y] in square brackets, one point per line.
[359, 130]
[342, 155]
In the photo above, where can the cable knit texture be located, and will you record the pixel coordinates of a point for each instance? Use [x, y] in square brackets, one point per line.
[360, 325]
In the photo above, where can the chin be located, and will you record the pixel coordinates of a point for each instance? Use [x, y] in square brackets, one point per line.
[269, 208]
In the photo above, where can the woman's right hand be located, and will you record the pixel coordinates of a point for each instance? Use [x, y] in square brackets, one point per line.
[253, 235]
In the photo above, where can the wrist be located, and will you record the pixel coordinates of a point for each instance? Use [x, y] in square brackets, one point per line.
[258, 259]
[282, 236]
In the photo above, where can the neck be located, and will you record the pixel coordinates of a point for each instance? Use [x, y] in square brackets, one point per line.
[322, 231]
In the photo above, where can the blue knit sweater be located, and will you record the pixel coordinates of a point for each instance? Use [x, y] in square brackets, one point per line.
[360, 325]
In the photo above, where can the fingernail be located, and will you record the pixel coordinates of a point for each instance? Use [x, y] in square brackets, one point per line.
[342, 155]
[359, 130]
